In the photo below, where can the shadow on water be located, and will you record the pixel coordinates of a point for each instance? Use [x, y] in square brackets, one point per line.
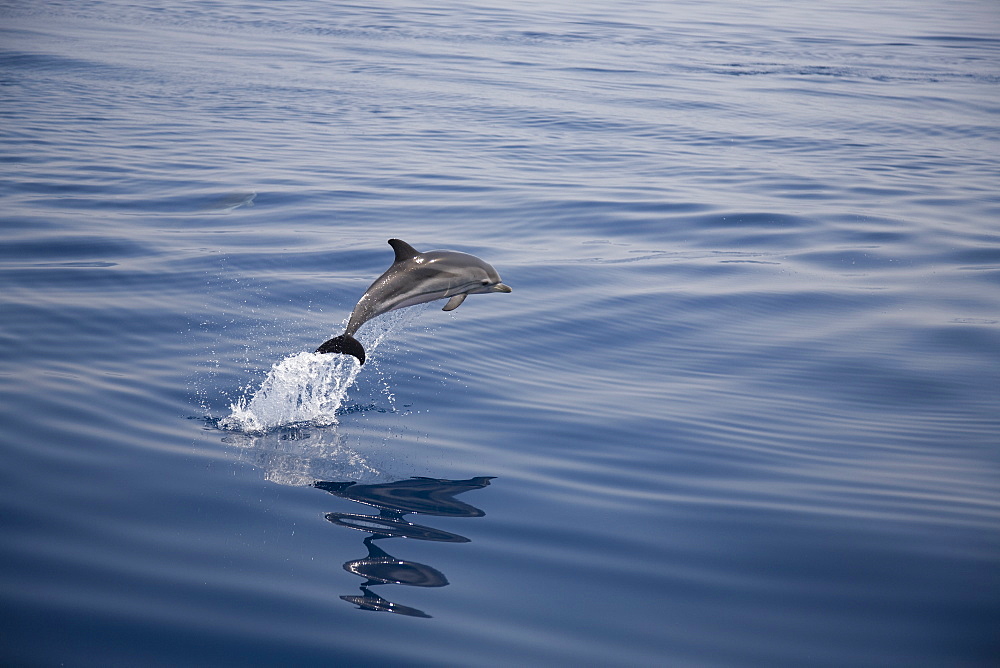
[394, 500]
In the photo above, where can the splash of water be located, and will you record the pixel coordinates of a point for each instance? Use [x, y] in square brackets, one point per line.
[309, 388]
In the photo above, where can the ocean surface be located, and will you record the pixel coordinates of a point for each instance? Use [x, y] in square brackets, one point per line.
[742, 407]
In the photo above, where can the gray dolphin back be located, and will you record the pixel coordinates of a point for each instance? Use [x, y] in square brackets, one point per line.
[415, 278]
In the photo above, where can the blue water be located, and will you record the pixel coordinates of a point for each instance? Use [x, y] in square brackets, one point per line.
[742, 407]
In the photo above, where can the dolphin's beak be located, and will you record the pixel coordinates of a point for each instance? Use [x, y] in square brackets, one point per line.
[500, 287]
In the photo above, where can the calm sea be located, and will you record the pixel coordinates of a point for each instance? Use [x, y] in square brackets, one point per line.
[742, 407]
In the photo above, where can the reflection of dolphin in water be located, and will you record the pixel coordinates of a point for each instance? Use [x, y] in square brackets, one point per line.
[375, 603]
[389, 524]
[380, 567]
[423, 496]
[415, 278]
[426, 496]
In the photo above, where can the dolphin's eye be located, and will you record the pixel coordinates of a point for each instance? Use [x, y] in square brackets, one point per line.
[486, 281]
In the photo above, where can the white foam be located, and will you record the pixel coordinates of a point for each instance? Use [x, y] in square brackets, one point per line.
[310, 387]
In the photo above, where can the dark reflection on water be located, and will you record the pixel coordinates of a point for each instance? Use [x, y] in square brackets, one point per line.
[423, 496]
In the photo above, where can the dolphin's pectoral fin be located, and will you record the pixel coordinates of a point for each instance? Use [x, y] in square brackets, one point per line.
[345, 344]
[404, 251]
[455, 302]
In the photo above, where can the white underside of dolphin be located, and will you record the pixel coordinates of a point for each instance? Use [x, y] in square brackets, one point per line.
[415, 278]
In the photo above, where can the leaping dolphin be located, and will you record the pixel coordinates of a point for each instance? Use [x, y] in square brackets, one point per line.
[415, 278]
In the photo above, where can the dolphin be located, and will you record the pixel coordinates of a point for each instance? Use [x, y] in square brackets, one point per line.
[415, 278]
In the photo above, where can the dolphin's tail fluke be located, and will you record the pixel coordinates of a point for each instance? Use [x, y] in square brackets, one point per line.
[345, 344]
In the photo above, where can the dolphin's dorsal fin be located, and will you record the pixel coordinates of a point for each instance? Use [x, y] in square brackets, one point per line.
[404, 251]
